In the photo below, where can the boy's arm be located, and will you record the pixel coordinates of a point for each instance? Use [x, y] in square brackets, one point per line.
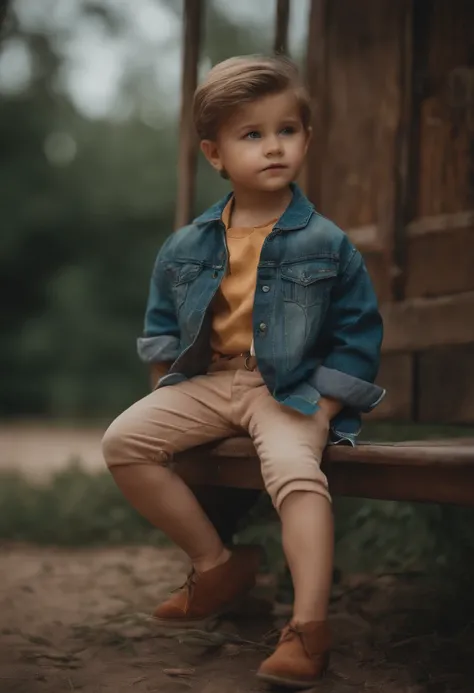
[160, 344]
[348, 372]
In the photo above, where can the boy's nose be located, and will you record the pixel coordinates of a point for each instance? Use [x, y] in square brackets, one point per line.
[273, 146]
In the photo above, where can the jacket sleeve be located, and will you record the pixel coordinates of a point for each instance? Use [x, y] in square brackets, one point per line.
[161, 338]
[355, 325]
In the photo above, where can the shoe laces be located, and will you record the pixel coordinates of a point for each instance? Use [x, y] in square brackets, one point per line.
[272, 636]
[289, 632]
[188, 586]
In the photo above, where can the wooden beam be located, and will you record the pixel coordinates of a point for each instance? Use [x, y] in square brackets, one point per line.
[367, 238]
[281, 26]
[411, 472]
[441, 223]
[420, 324]
[188, 144]
[316, 71]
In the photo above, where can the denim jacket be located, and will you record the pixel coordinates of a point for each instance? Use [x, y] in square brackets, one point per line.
[316, 326]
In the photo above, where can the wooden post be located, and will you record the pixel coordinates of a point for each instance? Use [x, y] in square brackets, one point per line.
[188, 144]
[281, 26]
[403, 158]
[394, 192]
[3, 10]
[316, 74]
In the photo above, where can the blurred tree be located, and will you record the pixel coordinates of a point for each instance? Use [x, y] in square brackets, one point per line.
[85, 206]
[3, 10]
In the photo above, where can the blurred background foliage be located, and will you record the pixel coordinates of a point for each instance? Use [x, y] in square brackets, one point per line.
[87, 198]
[77, 508]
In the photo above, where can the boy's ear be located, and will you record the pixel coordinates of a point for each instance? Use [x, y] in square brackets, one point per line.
[211, 151]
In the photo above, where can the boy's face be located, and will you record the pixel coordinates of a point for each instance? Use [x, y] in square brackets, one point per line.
[263, 145]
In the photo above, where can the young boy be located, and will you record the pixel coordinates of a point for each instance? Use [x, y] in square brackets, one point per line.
[263, 316]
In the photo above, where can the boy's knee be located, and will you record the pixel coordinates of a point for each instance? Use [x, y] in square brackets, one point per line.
[113, 443]
[317, 486]
[301, 475]
[125, 442]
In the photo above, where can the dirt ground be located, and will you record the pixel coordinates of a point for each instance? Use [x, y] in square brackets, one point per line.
[77, 620]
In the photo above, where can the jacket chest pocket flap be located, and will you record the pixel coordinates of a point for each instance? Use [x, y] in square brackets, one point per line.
[308, 283]
[182, 275]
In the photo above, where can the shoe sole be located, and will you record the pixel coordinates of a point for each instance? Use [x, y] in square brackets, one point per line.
[211, 620]
[288, 683]
[174, 624]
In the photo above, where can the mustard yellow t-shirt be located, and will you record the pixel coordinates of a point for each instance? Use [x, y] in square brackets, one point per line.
[232, 306]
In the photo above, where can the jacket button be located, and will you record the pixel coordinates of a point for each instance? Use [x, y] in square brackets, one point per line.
[265, 289]
[262, 327]
[215, 274]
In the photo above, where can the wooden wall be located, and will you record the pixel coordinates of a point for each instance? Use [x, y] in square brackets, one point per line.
[393, 163]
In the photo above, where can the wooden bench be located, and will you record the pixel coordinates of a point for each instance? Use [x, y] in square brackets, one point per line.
[439, 471]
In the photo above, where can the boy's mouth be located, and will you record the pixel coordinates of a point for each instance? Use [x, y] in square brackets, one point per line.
[274, 167]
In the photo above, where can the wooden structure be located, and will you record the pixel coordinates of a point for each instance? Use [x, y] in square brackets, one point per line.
[438, 472]
[391, 162]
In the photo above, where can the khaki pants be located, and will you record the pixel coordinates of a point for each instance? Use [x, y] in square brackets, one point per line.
[227, 401]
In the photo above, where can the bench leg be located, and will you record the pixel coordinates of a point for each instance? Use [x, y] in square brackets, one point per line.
[226, 507]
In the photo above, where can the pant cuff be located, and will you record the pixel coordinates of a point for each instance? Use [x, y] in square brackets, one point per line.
[301, 485]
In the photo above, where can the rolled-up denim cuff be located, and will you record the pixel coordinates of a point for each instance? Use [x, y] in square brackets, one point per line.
[158, 349]
[347, 389]
[304, 398]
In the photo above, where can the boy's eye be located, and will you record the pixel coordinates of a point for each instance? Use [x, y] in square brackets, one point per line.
[289, 130]
[253, 135]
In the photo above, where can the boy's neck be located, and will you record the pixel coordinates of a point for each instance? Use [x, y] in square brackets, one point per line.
[253, 208]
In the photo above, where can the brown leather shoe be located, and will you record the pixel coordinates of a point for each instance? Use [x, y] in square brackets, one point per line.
[301, 657]
[209, 594]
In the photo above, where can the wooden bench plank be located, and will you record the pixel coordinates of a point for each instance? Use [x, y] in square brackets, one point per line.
[438, 472]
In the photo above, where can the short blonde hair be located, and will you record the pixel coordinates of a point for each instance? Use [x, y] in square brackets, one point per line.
[239, 81]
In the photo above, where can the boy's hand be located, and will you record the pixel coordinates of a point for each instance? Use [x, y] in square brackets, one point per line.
[329, 407]
[157, 371]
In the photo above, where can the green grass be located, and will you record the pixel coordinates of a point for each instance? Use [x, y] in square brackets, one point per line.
[77, 508]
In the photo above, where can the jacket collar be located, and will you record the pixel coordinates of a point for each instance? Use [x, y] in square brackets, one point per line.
[296, 215]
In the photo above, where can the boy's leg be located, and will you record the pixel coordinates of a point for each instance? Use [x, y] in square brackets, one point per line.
[137, 447]
[290, 447]
[225, 507]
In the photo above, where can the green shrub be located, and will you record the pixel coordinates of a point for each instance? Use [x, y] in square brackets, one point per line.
[74, 508]
[78, 508]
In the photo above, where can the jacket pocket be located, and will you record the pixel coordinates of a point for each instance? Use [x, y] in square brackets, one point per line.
[182, 275]
[305, 290]
[308, 283]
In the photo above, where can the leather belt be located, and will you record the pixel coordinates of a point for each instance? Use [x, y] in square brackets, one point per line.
[244, 361]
